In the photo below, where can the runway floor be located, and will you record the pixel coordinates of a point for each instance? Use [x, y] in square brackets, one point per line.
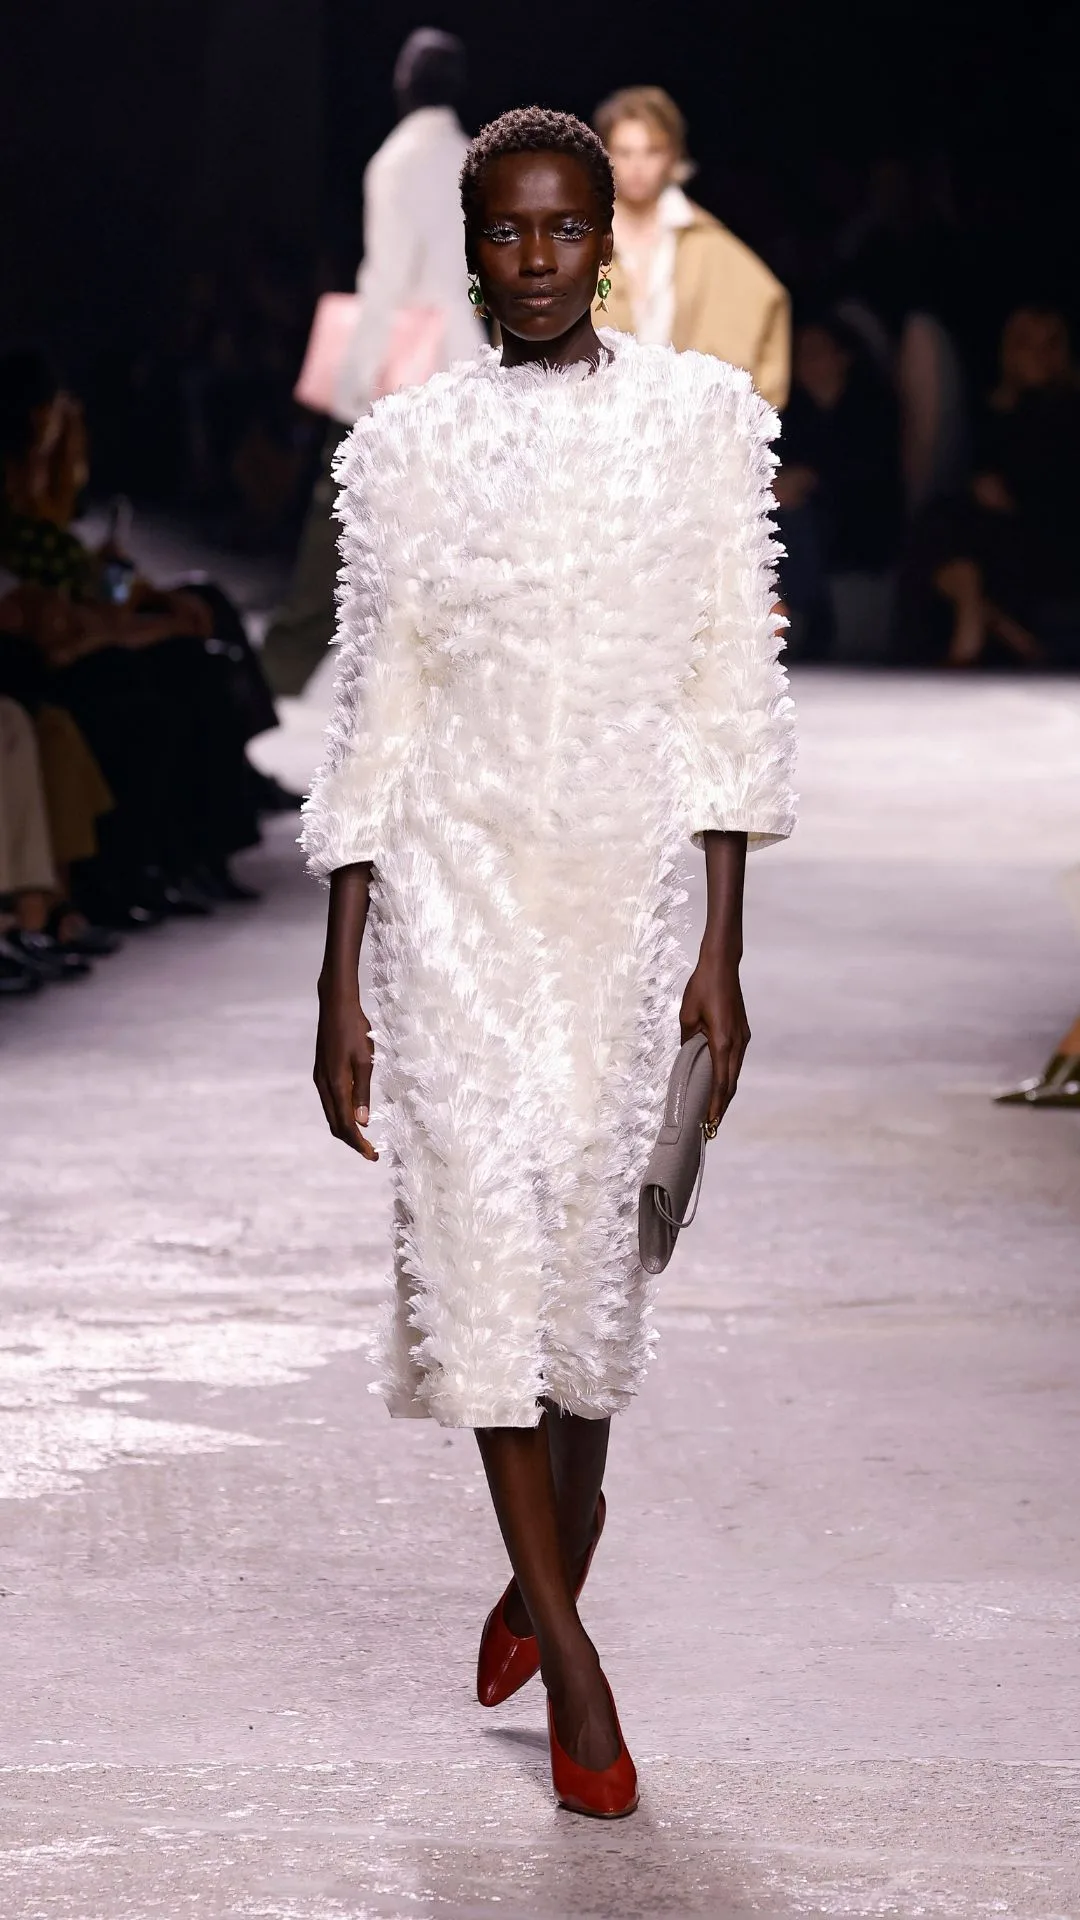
[839, 1592]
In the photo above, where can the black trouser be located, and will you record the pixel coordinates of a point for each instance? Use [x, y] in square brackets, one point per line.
[238, 665]
[170, 746]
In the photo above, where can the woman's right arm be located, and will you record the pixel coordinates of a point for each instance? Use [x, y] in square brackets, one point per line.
[348, 817]
[344, 1050]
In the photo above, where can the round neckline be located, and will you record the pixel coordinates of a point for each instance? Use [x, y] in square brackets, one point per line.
[537, 374]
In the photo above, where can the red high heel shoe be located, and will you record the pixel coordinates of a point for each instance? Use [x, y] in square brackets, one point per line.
[605, 1793]
[508, 1660]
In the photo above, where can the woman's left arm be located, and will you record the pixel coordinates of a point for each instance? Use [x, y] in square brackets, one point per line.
[713, 1003]
[738, 718]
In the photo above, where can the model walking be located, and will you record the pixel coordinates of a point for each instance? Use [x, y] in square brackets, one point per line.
[558, 663]
[681, 277]
[413, 259]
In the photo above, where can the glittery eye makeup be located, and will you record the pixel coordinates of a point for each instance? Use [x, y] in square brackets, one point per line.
[501, 233]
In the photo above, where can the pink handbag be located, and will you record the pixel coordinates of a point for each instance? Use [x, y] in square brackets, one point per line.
[415, 350]
[331, 331]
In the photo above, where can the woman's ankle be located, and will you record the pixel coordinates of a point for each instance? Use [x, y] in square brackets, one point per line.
[571, 1663]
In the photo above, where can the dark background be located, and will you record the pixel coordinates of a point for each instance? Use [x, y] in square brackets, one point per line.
[145, 141]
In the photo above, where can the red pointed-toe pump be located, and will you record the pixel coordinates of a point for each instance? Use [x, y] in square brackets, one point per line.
[508, 1660]
[604, 1793]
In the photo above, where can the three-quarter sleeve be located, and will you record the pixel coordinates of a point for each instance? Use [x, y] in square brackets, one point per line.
[738, 716]
[345, 816]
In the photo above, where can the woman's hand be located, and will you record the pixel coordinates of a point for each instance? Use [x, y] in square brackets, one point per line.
[136, 631]
[189, 614]
[178, 614]
[713, 1005]
[344, 1052]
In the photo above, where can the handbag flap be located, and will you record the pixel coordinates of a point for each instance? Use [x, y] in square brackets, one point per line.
[677, 1157]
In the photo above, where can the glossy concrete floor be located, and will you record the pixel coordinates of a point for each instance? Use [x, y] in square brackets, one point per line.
[839, 1593]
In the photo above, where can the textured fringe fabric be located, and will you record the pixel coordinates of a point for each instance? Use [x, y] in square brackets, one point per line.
[557, 663]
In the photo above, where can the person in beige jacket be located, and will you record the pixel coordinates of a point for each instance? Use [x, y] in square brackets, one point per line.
[678, 276]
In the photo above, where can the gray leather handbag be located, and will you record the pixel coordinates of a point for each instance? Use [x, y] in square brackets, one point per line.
[672, 1183]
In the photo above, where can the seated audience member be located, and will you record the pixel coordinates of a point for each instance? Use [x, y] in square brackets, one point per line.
[29, 887]
[76, 797]
[113, 642]
[838, 487]
[991, 572]
[934, 430]
[132, 738]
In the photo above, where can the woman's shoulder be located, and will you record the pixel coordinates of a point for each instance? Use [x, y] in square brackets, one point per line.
[442, 396]
[386, 439]
[704, 386]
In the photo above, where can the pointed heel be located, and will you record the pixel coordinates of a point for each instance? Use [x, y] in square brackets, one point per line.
[1058, 1085]
[604, 1793]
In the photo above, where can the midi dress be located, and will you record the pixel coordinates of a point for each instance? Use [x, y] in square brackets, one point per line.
[558, 668]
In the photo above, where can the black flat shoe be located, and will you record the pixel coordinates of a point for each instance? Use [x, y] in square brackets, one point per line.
[133, 916]
[92, 941]
[186, 901]
[44, 956]
[117, 907]
[222, 886]
[16, 979]
[181, 898]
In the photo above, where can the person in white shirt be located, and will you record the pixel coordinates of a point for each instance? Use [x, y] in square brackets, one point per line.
[413, 265]
[414, 237]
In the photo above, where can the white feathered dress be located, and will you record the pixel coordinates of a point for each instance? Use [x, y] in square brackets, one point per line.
[558, 665]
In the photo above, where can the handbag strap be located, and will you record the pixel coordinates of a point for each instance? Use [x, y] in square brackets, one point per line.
[694, 1197]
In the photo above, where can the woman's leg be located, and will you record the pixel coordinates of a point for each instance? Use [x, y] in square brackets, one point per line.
[518, 1464]
[27, 870]
[76, 793]
[961, 584]
[238, 664]
[1071, 1043]
[578, 1457]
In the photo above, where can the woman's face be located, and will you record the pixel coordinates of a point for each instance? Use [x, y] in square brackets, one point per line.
[539, 243]
[820, 365]
[1035, 349]
[643, 161]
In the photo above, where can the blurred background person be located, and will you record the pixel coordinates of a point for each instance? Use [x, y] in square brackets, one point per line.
[53, 796]
[161, 682]
[993, 573]
[838, 489]
[29, 887]
[678, 275]
[413, 318]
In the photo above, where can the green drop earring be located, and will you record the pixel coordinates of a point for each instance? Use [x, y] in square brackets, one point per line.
[603, 286]
[476, 295]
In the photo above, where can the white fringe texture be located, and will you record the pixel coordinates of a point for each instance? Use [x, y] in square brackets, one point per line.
[558, 664]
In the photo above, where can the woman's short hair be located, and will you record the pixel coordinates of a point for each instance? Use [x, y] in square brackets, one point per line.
[430, 70]
[536, 130]
[658, 110]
